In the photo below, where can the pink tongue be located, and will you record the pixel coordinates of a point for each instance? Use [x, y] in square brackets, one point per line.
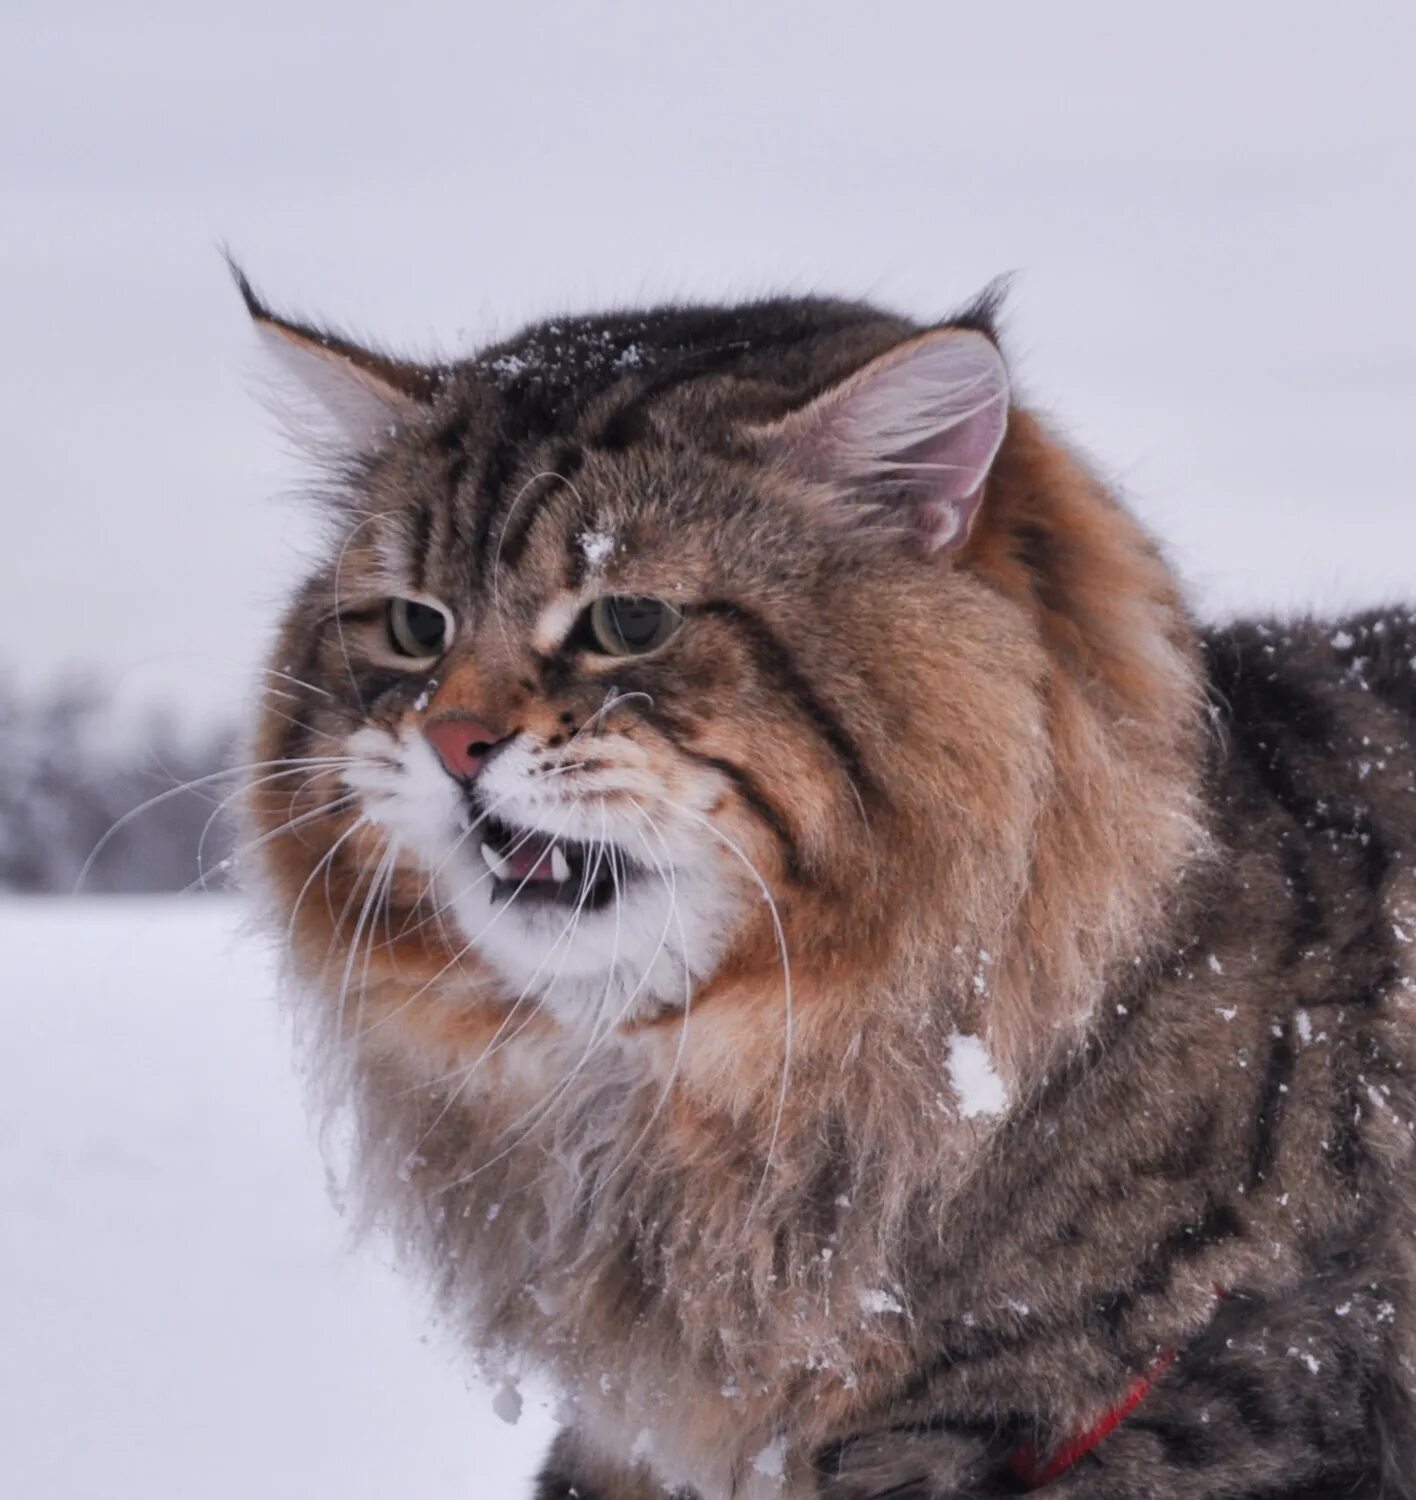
[530, 863]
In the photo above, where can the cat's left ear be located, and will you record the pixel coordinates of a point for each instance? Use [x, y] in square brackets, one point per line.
[916, 429]
[360, 390]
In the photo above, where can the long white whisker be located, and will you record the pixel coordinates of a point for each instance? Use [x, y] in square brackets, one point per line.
[243, 790]
[351, 957]
[596, 720]
[465, 1076]
[298, 681]
[781, 938]
[496, 916]
[188, 786]
[300, 820]
[600, 1033]
[326, 860]
[672, 886]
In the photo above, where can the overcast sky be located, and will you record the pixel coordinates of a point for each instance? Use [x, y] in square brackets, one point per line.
[1208, 208]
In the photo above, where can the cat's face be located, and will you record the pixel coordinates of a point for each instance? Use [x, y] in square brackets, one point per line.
[641, 662]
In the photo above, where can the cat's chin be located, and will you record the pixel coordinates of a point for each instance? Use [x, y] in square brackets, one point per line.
[591, 956]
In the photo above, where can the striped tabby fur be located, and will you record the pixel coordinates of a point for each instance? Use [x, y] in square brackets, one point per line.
[1095, 1042]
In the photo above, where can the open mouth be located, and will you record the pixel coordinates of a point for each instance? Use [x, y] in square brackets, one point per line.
[530, 864]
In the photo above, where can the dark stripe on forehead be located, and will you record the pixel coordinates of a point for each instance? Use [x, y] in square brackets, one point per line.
[529, 414]
[628, 423]
[516, 529]
[422, 539]
[550, 396]
[776, 662]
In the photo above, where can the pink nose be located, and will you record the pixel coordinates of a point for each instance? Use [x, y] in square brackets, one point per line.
[463, 745]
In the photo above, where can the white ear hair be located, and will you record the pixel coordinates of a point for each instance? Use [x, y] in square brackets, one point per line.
[352, 407]
[919, 427]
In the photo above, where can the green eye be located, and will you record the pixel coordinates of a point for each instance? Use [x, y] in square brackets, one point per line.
[417, 629]
[622, 625]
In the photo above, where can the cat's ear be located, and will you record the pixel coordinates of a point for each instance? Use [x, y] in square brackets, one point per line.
[360, 391]
[916, 429]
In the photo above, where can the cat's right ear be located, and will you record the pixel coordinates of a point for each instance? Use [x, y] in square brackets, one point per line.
[360, 392]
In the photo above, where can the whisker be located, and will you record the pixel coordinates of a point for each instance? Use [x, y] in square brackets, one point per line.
[338, 609]
[296, 763]
[298, 681]
[781, 939]
[671, 884]
[496, 916]
[326, 861]
[598, 1037]
[244, 789]
[302, 820]
[465, 1075]
[354, 942]
[612, 701]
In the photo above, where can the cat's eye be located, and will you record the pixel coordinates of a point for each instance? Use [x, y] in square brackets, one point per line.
[417, 628]
[629, 625]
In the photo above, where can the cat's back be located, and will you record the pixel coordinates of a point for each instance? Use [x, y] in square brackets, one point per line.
[1318, 719]
[1313, 791]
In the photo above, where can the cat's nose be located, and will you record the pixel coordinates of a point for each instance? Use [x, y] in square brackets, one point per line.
[464, 745]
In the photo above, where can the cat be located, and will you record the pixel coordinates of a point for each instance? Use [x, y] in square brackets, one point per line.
[822, 957]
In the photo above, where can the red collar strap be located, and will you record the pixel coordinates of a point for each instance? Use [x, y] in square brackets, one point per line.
[1033, 1472]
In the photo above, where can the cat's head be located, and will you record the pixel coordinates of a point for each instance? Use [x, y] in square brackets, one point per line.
[656, 653]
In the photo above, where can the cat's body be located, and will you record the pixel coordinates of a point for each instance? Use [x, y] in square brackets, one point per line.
[1072, 1046]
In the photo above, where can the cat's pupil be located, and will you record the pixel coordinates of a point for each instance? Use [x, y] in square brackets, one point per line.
[416, 629]
[637, 622]
[425, 625]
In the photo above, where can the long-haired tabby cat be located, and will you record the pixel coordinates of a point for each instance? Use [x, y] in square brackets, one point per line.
[826, 961]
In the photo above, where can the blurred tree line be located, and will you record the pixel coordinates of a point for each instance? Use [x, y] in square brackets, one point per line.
[74, 774]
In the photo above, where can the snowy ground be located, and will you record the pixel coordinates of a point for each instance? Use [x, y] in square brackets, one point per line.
[182, 1317]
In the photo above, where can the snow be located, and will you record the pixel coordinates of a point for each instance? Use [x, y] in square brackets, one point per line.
[183, 1313]
[771, 1462]
[876, 1301]
[981, 1091]
[596, 547]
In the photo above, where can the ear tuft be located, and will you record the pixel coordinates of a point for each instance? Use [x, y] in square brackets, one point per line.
[983, 312]
[362, 391]
[917, 429]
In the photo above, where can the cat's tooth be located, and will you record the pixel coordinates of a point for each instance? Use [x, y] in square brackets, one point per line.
[494, 862]
[560, 865]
